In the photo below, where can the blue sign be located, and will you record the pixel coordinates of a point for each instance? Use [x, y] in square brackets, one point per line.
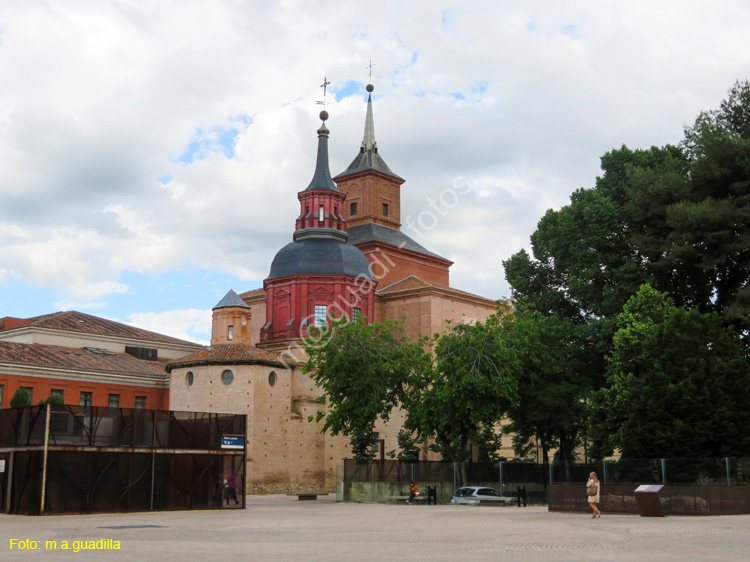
[232, 441]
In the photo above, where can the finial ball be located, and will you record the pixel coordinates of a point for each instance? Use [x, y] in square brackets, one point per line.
[323, 115]
[370, 88]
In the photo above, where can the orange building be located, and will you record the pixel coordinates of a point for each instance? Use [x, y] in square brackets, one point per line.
[88, 361]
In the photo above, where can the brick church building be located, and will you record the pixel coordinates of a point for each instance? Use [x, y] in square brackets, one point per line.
[348, 256]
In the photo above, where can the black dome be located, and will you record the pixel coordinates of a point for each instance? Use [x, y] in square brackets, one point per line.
[325, 256]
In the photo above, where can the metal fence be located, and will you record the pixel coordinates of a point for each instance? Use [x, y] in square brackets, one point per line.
[377, 479]
[61, 459]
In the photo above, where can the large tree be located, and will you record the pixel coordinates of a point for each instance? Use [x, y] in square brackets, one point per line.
[448, 396]
[677, 218]
[677, 383]
[553, 382]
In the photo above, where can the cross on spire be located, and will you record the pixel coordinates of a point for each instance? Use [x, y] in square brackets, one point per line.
[369, 67]
[324, 85]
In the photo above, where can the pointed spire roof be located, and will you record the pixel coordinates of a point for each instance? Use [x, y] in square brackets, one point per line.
[231, 299]
[368, 142]
[322, 176]
[368, 157]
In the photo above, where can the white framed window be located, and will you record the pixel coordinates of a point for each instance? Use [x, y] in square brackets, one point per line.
[321, 213]
[321, 311]
[230, 333]
[87, 398]
[113, 401]
[356, 314]
[140, 402]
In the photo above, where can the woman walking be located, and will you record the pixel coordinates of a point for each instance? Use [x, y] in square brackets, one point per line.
[592, 491]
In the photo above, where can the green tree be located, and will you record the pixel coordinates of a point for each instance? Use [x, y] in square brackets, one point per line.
[553, 382]
[474, 383]
[489, 444]
[367, 370]
[408, 449]
[677, 383]
[710, 224]
[54, 399]
[363, 446]
[20, 399]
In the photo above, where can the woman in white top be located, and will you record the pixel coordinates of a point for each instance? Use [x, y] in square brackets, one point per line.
[593, 485]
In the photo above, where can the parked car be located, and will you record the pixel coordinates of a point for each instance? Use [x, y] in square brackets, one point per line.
[473, 495]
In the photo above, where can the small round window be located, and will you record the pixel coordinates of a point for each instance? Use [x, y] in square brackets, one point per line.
[227, 377]
[189, 378]
[272, 378]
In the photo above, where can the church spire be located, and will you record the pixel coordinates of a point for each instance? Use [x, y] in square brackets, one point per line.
[368, 157]
[368, 143]
[321, 203]
[322, 176]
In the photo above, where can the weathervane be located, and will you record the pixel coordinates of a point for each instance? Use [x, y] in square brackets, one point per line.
[324, 85]
[369, 67]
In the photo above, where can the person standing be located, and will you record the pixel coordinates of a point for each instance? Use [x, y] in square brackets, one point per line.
[413, 492]
[231, 490]
[593, 489]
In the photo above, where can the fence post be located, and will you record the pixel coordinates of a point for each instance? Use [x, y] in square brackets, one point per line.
[500, 470]
[372, 482]
[604, 472]
[664, 471]
[729, 479]
[46, 451]
[550, 471]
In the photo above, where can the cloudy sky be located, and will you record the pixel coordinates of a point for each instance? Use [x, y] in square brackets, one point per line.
[151, 152]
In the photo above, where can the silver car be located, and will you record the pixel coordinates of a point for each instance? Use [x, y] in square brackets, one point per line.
[473, 495]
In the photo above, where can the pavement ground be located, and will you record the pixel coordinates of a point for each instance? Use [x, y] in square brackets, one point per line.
[280, 528]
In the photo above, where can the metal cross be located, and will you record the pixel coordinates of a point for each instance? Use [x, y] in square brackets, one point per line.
[370, 69]
[324, 85]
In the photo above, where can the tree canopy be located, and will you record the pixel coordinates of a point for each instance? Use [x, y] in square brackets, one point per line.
[677, 383]
[450, 396]
[676, 218]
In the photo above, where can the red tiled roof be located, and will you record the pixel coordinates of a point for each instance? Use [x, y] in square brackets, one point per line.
[77, 360]
[78, 322]
[253, 293]
[413, 282]
[227, 354]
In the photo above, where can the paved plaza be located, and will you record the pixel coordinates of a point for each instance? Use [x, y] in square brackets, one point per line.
[281, 528]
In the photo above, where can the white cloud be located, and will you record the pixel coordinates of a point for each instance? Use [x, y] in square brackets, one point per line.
[101, 99]
[191, 324]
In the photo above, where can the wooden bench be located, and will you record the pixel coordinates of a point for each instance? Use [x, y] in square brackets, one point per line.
[307, 496]
[396, 499]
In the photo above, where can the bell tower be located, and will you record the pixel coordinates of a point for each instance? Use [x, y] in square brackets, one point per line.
[373, 191]
[373, 216]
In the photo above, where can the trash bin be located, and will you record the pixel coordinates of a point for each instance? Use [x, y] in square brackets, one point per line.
[431, 495]
[521, 493]
[647, 500]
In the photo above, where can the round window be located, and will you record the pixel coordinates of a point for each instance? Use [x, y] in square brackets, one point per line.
[189, 378]
[227, 377]
[272, 378]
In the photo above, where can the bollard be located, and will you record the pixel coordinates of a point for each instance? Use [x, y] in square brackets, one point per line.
[521, 492]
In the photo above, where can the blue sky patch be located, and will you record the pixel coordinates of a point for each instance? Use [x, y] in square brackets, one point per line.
[216, 139]
[352, 87]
